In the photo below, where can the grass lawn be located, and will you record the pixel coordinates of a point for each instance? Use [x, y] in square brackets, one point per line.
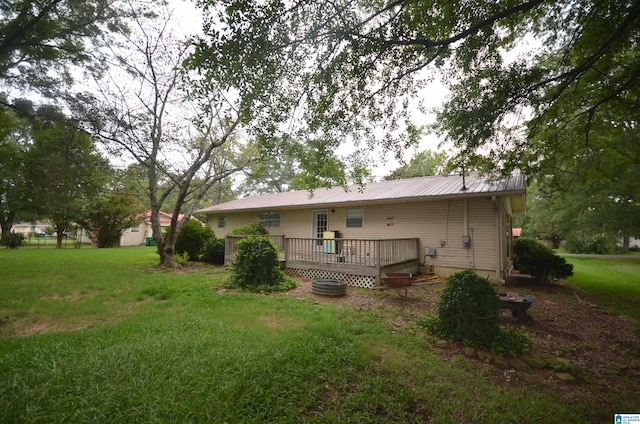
[102, 335]
[616, 282]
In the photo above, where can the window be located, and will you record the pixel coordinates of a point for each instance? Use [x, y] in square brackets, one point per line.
[270, 219]
[222, 221]
[135, 229]
[354, 218]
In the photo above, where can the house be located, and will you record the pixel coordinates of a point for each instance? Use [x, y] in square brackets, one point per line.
[445, 223]
[138, 235]
[30, 228]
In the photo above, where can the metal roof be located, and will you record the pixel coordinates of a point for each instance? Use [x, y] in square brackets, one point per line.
[410, 189]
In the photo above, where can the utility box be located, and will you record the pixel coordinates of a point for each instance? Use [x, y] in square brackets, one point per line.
[329, 244]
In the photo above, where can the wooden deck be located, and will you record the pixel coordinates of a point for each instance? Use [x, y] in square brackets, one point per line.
[367, 258]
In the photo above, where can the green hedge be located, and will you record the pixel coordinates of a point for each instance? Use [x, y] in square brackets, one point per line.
[257, 266]
[533, 258]
[469, 311]
[192, 239]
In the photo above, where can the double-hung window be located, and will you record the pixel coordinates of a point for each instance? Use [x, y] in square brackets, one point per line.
[270, 219]
[354, 218]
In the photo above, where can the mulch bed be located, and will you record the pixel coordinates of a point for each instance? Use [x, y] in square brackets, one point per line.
[599, 348]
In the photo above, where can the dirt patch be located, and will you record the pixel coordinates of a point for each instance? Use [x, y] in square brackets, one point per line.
[599, 348]
[70, 296]
[279, 323]
[37, 328]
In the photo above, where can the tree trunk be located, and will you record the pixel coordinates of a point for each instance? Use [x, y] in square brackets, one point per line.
[168, 256]
[59, 235]
[6, 230]
[625, 244]
[6, 222]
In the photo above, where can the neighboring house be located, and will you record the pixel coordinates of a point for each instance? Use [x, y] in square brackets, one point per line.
[136, 236]
[30, 228]
[448, 222]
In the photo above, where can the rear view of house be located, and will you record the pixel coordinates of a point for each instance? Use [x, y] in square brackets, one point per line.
[447, 223]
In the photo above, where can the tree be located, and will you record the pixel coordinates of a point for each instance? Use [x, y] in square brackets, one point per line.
[42, 45]
[63, 168]
[592, 219]
[11, 172]
[351, 66]
[272, 176]
[422, 164]
[40, 41]
[171, 131]
[109, 215]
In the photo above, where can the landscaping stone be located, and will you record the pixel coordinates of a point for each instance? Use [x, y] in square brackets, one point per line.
[442, 344]
[485, 356]
[469, 352]
[565, 377]
[519, 364]
[535, 362]
[501, 362]
[555, 361]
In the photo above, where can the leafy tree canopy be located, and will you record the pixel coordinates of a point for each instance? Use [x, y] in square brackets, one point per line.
[422, 164]
[107, 216]
[63, 168]
[40, 40]
[349, 68]
[594, 219]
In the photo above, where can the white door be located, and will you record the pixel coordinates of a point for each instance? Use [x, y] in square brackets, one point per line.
[320, 225]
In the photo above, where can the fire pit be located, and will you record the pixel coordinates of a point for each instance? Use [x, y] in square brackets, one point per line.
[518, 304]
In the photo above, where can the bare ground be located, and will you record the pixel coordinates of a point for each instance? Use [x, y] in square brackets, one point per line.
[600, 349]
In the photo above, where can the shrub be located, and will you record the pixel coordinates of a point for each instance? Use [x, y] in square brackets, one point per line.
[256, 228]
[532, 257]
[182, 258]
[192, 238]
[257, 267]
[213, 251]
[15, 240]
[468, 310]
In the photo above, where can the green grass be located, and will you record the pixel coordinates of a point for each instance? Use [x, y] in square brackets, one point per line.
[615, 282]
[104, 336]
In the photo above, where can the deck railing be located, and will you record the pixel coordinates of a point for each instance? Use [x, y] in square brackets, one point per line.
[231, 241]
[360, 252]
